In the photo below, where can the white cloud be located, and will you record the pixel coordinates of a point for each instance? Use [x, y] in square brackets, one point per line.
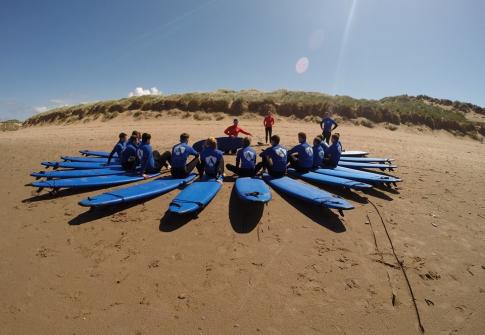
[40, 109]
[139, 91]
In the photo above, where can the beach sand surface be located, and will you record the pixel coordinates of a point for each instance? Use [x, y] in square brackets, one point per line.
[284, 268]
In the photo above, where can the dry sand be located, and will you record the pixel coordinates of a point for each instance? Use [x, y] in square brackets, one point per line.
[301, 270]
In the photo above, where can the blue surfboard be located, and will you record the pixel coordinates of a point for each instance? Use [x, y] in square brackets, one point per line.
[195, 196]
[357, 165]
[89, 159]
[252, 189]
[363, 176]
[366, 159]
[329, 180]
[97, 181]
[61, 174]
[225, 144]
[104, 154]
[307, 193]
[354, 153]
[80, 165]
[137, 192]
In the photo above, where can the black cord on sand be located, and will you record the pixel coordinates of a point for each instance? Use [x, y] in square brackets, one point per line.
[421, 327]
[393, 299]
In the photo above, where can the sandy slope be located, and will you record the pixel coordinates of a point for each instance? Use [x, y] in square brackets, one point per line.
[301, 270]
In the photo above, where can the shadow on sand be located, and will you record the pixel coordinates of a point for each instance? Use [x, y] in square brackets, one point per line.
[244, 216]
[171, 222]
[61, 193]
[99, 213]
[320, 215]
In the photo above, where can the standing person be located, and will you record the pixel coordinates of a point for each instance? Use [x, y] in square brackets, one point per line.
[275, 158]
[245, 160]
[234, 130]
[301, 155]
[151, 161]
[118, 148]
[268, 123]
[129, 157]
[332, 154]
[211, 160]
[328, 125]
[178, 158]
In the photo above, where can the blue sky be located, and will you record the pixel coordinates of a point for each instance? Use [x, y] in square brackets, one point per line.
[57, 52]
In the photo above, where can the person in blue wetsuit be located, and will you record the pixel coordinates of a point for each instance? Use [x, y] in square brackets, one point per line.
[150, 161]
[211, 160]
[300, 156]
[274, 159]
[328, 125]
[118, 148]
[245, 160]
[318, 152]
[332, 154]
[178, 158]
[129, 156]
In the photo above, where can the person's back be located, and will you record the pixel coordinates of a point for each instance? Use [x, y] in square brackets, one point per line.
[180, 153]
[305, 154]
[278, 155]
[247, 158]
[211, 159]
[129, 156]
[333, 153]
[318, 153]
[146, 157]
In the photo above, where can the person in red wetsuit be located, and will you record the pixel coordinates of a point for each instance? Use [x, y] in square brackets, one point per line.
[234, 130]
[268, 125]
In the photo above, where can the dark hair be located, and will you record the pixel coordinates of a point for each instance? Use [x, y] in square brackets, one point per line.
[235, 120]
[302, 135]
[133, 138]
[317, 139]
[246, 142]
[184, 137]
[145, 137]
[320, 137]
[336, 136]
[122, 135]
[276, 139]
[135, 133]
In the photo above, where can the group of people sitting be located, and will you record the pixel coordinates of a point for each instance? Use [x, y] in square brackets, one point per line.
[136, 154]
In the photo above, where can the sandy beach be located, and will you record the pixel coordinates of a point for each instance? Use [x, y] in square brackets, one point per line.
[285, 268]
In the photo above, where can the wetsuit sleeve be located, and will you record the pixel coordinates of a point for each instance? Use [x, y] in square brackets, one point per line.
[112, 153]
[227, 131]
[238, 157]
[192, 151]
[144, 161]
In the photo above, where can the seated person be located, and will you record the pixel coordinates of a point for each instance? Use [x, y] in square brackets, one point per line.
[332, 154]
[275, 159]
[178, 158]
[211, 160]
[234, 130]
[318, 152]
[118, 148]
[129, 156]
[245, 160]
[151, 161]
[300, 156]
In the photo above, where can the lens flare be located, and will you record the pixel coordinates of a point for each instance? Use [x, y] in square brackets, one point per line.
[302, 65]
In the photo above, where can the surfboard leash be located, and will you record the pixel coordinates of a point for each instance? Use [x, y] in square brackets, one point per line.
[401, 266]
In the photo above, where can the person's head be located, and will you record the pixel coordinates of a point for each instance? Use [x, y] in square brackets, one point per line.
[320, 137]
[327, 114]
[335, 137]
[275, 140]
[146, 138]
[246, 142]
[235, 122]
[136, 133]
[301, 137]
[269, 112]
[317, 140]
[184, 138]
[211, 143]
[122, 137]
